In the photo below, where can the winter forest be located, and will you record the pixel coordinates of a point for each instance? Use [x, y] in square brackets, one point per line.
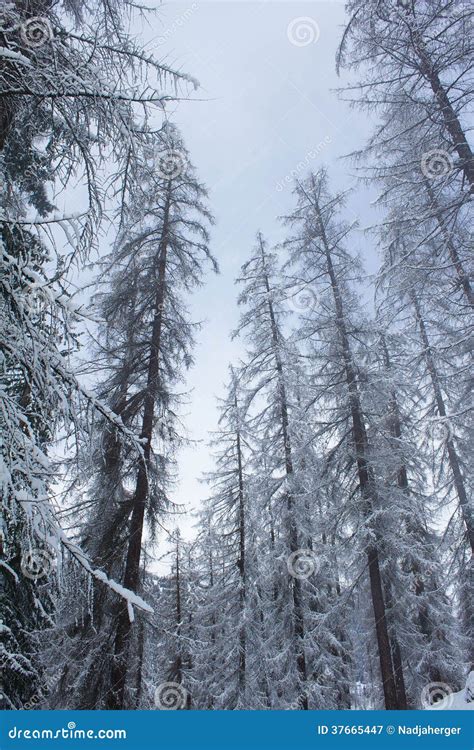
[307, 542]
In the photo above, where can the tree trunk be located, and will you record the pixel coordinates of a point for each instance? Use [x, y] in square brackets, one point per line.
[139, 673]
[402, 482]
[396, 656]
[189, 697]
[178, 675]
[451, 121]
[453, 459]
[242, 569]
[116, 696]
[366, 482]
[210, 700]
[296, 586]
[463, 277]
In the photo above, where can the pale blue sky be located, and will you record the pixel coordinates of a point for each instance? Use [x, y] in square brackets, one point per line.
[268, 109]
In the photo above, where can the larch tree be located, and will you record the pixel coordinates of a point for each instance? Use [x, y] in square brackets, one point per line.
[146, 340]
[226, 595]
[440, 357]
[418, 51]
[69, 106]
[170, 634]
[318, 248]
[417, 588]
[268, 379]
[420, 154]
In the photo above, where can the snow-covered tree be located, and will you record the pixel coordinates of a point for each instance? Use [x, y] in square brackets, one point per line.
[269, 375]
[170, 634]
[225, 533]
[145, 348]
[416, 53]
[437, 355]
[318, 249]
[71, 104]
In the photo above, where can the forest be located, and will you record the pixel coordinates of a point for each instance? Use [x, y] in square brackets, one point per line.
[330, 564]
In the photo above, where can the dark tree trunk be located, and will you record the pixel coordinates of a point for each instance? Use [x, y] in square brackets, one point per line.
[463, 278]
[453, 459]
[297, 592]
[402, 481]
[210, 700]
[116, 696]
[367, 486]
[140, 651]
[242, 568]
[396, 656]
[450, 119]
[178, 674]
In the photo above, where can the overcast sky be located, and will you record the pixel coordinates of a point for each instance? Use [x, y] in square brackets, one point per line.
[268, 108]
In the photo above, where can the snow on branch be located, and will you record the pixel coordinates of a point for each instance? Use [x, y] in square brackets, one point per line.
[132, 599]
